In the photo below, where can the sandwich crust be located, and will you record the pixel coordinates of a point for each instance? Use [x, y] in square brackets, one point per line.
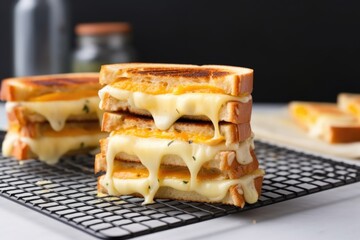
[25, 88]
[234, 81]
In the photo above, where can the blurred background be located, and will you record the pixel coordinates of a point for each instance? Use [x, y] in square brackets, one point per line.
[303, 50]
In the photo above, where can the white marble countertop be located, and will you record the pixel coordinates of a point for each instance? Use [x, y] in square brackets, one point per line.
[332, 214]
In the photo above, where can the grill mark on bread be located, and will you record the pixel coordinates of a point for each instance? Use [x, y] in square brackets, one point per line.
[182, 72]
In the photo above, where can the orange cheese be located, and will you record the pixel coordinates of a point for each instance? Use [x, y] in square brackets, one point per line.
[169, 134]
[353, 109]
[64, 96]
[70, 132]
[302, 114]
[162, 88]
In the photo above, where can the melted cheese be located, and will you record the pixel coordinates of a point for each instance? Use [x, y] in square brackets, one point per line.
[7, 145]
[151, 151]
[167, 108]
[214, 190]
[50, 149]
[57, 112]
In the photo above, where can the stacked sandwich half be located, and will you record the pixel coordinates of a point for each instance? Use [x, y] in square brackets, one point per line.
[50, 116]
[179, 132]
[333, 122]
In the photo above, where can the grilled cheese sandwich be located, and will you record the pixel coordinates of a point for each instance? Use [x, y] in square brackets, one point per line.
[326, 121]
[155, 148]
[50, 116]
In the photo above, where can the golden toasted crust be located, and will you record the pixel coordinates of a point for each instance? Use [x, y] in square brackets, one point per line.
[24, 88]
[233, 112]
[234, 81]
[232, 133]
[224, 161]
[343, 134]
[234, 197]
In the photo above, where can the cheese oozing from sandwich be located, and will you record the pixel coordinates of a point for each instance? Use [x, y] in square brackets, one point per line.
[49, 149]
[58, 111]
[151, 151]
[317, 118]
[214, 190]
[169, 107]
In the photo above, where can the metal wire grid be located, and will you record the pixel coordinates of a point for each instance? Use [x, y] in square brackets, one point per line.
[67, 192]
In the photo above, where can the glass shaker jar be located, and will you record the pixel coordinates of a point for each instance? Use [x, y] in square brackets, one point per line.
[41, 37]
[102, 43]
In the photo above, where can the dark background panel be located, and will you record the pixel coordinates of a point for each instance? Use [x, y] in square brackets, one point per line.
[306, 50]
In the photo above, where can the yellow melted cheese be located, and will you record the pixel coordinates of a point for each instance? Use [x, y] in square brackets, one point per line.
[151, 151]
[167, 108]
[50, 149]
[214, 190]
[57, 112]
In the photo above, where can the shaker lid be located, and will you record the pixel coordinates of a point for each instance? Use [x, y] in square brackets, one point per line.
[102, 28]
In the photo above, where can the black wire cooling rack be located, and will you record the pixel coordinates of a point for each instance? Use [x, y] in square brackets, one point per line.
[67, 192]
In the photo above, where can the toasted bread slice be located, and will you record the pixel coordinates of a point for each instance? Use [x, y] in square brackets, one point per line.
[37, 130]
[187, 131]
[56, 87]
[164, 78]
[234, 195]
[224, 162]
[350, 103]
[233, 112]
[24, 115]
[326, 121]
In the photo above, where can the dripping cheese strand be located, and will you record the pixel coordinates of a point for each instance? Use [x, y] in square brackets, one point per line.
[167, 108]
[57, 112]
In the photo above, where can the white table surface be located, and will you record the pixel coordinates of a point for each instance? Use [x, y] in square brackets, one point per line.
[332, 214]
